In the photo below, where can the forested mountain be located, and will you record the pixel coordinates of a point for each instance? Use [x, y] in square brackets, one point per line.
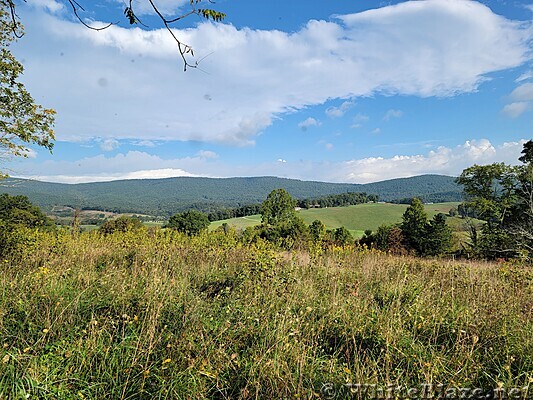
[167, 196]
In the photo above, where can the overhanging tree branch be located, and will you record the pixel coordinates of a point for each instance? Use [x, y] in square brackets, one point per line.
[129, 13]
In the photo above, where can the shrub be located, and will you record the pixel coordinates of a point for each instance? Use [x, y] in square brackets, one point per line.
[120, 224]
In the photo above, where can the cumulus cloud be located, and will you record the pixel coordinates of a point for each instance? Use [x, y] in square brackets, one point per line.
[523, 92]
[144, 143]
[522, 98]
[392, 114]
[135, 164]
[516, 109]
[127, 83]
[336, 112]
[109, 144]
[49, 5]
[206, 154]
[443, 160]
[304, 125]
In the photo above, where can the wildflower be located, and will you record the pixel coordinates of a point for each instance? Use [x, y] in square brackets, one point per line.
[166, 361]
[26, 349]
[45, 330]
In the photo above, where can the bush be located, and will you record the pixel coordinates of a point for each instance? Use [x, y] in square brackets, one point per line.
[120, 224]
[189, 222]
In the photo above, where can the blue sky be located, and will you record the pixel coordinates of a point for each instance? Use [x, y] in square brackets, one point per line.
[341, 91]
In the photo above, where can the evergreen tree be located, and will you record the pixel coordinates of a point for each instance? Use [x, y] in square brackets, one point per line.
[414, 226]
[438, 237]
[317, 229]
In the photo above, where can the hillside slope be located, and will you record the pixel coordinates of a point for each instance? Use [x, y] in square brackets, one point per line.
[171, 195]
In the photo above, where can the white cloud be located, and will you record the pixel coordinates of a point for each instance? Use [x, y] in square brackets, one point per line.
[109, 144]
[522, 98]
[329, 146]
[525, 76]
[376, 131]
[308, 123]
[50, 5]
[392, 114]
[29, 153]
[135, 164]
[516, 109]
[143, 174]
[206, 154]
[359, 119]
[128, 83]
[336, 112]
[443, 160]
[144, 143]
[523, 92]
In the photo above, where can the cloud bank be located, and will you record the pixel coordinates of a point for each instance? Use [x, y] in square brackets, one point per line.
[128, 83]
[142, 165]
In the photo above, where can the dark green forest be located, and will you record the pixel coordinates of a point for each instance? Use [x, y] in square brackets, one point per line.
[165, 197]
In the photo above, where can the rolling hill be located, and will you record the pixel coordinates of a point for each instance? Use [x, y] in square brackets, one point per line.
[356, 218]
[167, 196]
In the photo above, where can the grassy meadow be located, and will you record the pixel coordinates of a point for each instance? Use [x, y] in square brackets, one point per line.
[156, 314]
[356, 218]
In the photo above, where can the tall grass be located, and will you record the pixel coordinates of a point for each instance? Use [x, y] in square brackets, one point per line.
[155, 314]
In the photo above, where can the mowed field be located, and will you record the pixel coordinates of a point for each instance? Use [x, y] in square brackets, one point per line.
[355, 218]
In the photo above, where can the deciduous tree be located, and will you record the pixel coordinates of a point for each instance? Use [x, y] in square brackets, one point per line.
[189, 222]
[22, 121]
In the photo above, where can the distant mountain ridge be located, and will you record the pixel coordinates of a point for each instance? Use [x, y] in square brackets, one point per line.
[170, 195]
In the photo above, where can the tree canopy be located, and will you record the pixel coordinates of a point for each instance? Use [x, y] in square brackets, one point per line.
[189, 222]
[22, 121]
[502, 196]
[278, 208]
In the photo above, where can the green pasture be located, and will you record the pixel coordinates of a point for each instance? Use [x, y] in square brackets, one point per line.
[355, 218]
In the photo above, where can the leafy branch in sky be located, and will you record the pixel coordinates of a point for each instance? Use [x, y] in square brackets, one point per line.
[132, 18]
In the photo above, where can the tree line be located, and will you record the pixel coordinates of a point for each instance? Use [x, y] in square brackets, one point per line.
[498, 212]
[332, 200]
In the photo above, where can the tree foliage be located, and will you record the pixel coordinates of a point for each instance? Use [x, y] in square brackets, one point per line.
[17, 215]
[22, 121]
[278, 208]
[502, 196]
[414, 224]
[438, 237]
[342, 236]
[279, 220]
[120, 224]
[317, 230]
[18, 210]
[189, 222]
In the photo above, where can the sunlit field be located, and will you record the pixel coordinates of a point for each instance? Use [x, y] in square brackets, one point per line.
[356, 218]
[156, 314]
